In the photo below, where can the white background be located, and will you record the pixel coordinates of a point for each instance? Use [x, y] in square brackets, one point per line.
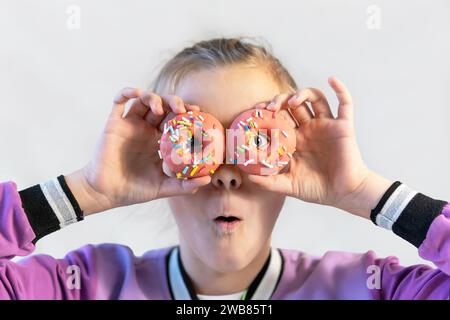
[57, 85]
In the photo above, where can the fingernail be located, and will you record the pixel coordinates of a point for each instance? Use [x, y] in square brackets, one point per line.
[271, 106]
[292, 100]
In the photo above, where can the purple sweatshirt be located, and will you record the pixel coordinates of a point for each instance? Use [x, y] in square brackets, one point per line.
[111, 271]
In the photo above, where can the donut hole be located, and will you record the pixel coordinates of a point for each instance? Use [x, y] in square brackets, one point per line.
[261, 141]
[195, 145]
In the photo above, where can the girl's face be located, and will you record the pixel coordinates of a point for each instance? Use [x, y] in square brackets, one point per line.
[225, 93]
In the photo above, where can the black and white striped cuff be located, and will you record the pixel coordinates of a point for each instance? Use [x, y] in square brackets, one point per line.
[406, 212]
[50, 206]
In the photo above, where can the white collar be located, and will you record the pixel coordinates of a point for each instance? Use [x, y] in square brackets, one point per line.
[232, 296]
[261, 288]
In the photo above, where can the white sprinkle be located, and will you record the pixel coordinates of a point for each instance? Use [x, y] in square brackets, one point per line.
[284, 133]
[242, 123]
[245, 147]
[246, 163]
[282, 163]
[201, 118]
[289, 154]
[261, 114]
[186, 120]
[249, 119]
[159, 154]
[256, 125]
[166, 129]
[268, 165]
[189, 112]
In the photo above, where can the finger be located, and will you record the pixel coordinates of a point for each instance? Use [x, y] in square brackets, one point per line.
[155, 115]
[138, 109]
[317, 99]
[279, 183]
[302, 113]
[167, 170]
[191, 107]
[123, 97]
[171, 114]
[261, 105]
[345, 110]
[278, 101]
[175, 104]
[173, 186]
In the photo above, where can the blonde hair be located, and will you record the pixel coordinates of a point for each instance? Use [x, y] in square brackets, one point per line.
[221, 52]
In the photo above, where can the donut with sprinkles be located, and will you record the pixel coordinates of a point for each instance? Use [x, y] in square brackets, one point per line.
[264, 144]
[192, 144]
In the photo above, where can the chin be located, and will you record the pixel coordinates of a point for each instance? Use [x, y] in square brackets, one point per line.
[227, 258]
[227, 262]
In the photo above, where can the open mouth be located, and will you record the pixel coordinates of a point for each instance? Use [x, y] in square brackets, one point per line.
[227, 221]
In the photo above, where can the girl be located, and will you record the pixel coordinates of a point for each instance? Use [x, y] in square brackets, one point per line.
[216, 260]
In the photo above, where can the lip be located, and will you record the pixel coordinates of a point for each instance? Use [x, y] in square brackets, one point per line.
[223, 214]
[229, 225]
[224, 209]
[227, 214]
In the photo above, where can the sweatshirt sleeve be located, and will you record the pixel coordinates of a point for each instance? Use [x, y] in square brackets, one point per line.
[16, 234]
[38, 276]
[425, 223]
[436, 246]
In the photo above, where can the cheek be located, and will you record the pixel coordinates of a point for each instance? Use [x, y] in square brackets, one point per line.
[263, 207]
[271, 205]
[188, 213]
[176, 204]
[182, 208]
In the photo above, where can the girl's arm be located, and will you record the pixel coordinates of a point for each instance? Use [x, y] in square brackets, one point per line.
[39, 276]
[125, 170]
[425, 223]
[328, 169]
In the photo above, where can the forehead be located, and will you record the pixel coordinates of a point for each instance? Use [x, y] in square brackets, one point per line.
[227, 91]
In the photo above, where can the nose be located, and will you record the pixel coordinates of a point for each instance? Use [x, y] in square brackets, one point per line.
[227, 177]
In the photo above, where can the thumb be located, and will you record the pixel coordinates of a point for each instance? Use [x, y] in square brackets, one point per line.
[172, 186]
[167, 170]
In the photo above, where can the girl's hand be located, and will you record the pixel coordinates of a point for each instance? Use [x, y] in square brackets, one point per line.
[327, 167]
[126, 168]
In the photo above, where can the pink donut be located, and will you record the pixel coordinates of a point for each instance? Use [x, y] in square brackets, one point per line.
[192, 144]
[263, 143]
